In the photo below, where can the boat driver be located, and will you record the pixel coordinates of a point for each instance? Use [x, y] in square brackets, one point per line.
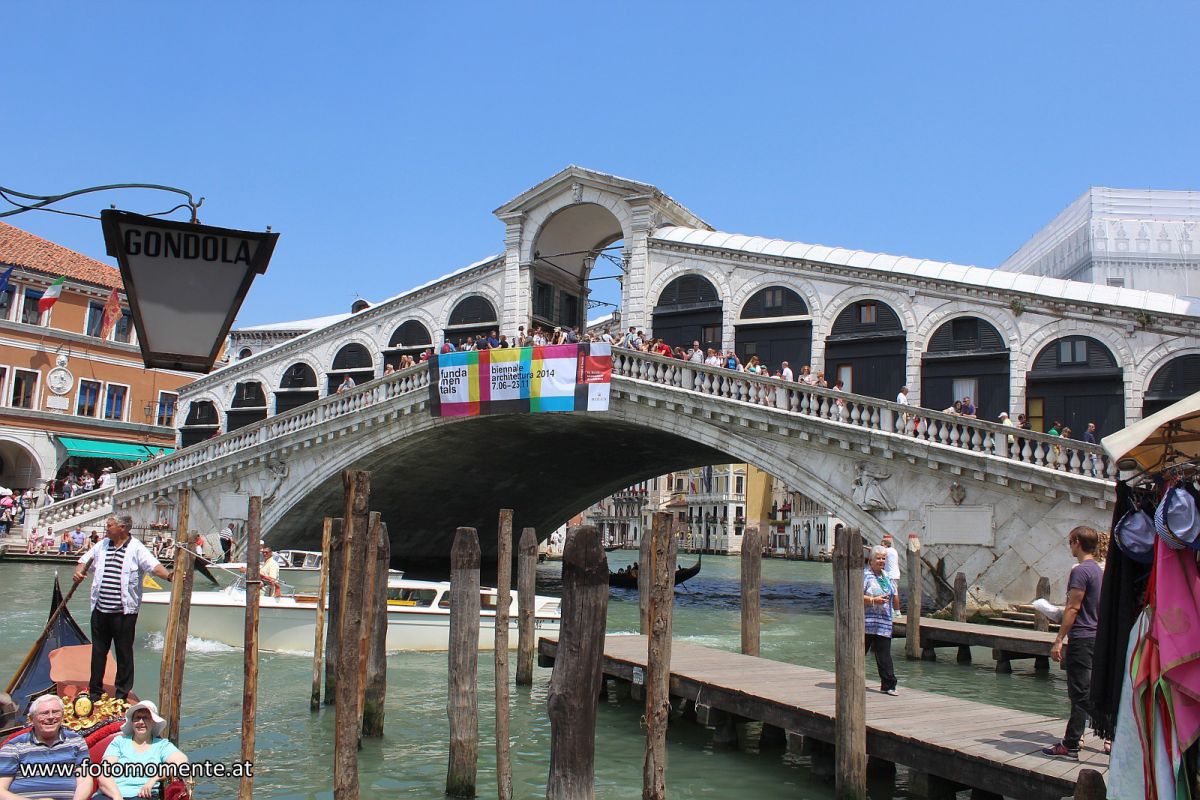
[269, 571]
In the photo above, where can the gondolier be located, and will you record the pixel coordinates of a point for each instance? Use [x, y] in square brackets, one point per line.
[121, 563]
[226, 536]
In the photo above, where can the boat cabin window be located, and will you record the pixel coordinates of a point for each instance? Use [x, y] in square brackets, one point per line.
[422, 598]
[312, 560]
[486, 601]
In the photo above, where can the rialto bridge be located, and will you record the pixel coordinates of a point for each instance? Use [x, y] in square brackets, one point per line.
[995, 507]
[986, 501]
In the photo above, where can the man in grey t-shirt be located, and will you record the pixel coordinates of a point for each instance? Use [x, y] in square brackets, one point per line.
[1078, 626]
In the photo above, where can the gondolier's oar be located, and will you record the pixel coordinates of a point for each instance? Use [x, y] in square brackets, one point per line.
[41, 639]
[200, 563]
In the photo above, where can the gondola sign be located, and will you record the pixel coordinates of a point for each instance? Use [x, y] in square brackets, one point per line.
[566, 377]
[185, 283]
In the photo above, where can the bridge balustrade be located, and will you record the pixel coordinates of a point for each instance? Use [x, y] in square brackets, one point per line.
[836, 408]
[844, 408]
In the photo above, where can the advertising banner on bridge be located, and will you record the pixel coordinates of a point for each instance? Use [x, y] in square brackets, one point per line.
[565, 377]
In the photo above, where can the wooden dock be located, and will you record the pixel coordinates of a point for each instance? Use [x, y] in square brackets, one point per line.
[1007, 644]
[991, 750]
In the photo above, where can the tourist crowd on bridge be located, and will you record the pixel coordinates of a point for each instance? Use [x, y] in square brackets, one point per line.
[636, 339]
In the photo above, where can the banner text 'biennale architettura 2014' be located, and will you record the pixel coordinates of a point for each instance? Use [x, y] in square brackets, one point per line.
[566, 377]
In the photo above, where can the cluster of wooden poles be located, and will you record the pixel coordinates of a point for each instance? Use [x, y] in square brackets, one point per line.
[354, 576]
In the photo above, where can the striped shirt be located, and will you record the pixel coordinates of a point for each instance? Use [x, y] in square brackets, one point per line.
[109, 601]
[22, 755]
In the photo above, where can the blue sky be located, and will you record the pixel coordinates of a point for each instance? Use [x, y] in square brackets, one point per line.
[378, 137]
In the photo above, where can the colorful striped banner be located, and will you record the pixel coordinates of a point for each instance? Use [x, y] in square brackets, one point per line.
[565, 377]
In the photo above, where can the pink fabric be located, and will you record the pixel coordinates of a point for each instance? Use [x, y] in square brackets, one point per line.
[1175, 631]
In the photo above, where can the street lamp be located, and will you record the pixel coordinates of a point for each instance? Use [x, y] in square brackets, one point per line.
[185, 283]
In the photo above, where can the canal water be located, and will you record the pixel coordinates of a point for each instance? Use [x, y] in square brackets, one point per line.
[295, 747]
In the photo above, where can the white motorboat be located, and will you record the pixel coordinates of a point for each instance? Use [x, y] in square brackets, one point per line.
[418, 616]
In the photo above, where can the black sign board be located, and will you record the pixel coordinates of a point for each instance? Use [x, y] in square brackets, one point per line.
[185, 283]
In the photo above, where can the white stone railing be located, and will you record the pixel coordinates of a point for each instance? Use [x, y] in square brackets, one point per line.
[306, 417]
[842, 408]
[837, 408]
[86, 506]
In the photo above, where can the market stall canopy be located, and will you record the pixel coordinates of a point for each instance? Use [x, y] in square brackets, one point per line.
[97, 448]
[1161, 439]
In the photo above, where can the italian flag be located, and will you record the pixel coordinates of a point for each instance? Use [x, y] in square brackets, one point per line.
[51, 295]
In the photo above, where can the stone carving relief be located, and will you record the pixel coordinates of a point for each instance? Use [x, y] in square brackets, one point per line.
[867, 491]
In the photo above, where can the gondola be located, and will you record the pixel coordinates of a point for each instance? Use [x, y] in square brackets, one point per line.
[60, 662]
[628, 580]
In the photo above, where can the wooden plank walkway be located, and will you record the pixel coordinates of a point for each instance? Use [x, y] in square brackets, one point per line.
[976, 745]
[1007, 644]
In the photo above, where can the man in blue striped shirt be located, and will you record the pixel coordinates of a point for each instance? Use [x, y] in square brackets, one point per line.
[121, 563]
[44, 761]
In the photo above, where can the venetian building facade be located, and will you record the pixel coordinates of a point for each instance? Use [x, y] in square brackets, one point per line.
[69, 399]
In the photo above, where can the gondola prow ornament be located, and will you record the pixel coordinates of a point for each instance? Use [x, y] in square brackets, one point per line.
[185, 283]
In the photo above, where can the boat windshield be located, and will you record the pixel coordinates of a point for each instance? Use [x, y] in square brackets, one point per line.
[421, 598]
[312, 561]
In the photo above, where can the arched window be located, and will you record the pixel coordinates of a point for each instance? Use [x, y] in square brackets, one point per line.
[1076, 380]
[689, 310]
[297, 387]
[966, 335]
[201, 422]
[865, 316]
[298, 376]
[353, 361]
[1074, 352]
[353, 356]
[410, 334]
[1175, 380]
[473, 310]
[866, 350]
[249, 405]
[966, 357]
[774, 301]
[245, 352]
[202, 412]
[688, 290]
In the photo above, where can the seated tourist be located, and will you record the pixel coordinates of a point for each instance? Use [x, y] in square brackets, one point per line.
[47, 742]
[140, 742]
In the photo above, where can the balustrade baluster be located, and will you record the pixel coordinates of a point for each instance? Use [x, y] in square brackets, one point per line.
[1075, 464]
[976, 440]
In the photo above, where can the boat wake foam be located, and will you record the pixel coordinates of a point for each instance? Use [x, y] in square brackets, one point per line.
[194, 644]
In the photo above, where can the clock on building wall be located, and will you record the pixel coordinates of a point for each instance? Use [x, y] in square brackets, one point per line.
[60, 380]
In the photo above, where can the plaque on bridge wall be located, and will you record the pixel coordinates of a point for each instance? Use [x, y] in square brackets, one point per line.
[567, 377]
[231, 505]
[959, 525]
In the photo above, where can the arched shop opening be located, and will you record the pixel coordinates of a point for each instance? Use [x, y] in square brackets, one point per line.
[689, 309]
[1076, 380]
[19, 468]
[249, 405]
[573, 243]
[966, 357]
[474, 315]
[1172, 382]
[201, 423]
[410, 339]
[776, 326]
[297, 387]
[866, 350]
[354, 360]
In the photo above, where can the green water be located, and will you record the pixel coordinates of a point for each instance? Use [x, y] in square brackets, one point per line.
[294, 747]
